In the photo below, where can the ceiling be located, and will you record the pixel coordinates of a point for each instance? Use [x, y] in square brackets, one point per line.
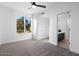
[23, 6]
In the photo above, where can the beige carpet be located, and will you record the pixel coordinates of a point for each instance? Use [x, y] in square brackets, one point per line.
[33, 48]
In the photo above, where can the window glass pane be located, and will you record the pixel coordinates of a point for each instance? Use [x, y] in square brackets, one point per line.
[20, 24]
[28, 24]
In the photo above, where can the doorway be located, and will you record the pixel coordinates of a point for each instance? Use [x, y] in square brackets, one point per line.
[64, 29]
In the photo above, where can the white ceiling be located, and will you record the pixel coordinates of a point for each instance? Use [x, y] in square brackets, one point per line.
[23, 6]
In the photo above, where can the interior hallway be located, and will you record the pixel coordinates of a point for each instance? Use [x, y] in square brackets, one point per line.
[33, 48]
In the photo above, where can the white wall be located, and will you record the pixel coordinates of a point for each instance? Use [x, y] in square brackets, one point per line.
[74, 9]
[8, 26]
[53, 27]
[62, 22]
[35, 25]
[42, 27]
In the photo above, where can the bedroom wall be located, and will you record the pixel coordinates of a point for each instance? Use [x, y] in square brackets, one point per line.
[8, 26]
[42, 27]
[74, 9]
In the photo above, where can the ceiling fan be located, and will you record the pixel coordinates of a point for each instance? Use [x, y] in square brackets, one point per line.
[35, 5]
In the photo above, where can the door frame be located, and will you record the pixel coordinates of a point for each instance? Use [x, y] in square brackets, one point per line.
[70, 29]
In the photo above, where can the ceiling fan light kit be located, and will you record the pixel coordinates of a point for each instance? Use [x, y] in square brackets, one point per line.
[33, 6]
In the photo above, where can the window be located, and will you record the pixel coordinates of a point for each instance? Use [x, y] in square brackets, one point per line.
[23, 24]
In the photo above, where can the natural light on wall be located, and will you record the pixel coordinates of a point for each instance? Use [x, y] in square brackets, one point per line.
[35, 26]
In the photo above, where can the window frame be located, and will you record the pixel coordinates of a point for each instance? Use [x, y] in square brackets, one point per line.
[24, 25]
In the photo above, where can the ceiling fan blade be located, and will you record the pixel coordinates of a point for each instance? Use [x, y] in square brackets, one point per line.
[33, 3]
[41, 6]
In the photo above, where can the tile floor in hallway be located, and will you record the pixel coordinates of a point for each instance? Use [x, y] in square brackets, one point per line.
[64, 44]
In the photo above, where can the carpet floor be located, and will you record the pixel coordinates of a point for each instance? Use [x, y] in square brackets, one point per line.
[33, 48]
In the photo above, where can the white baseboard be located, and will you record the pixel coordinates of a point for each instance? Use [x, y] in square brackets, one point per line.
[74, 50]
[13, 41]
[42, 37]
[53, 43]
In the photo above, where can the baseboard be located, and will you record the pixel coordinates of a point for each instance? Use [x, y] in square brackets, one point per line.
[74, 50]
[13, 41]
[44, 37]
[53, 43]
